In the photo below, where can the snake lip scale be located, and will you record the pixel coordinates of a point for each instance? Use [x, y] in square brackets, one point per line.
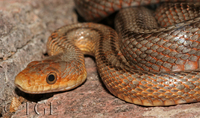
[149, 59]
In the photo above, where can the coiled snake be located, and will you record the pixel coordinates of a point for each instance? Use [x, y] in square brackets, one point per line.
[153, 60]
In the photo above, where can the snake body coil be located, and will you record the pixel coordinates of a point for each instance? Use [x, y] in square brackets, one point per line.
[147, 62]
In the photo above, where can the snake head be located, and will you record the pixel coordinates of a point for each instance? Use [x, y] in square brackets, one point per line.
[49, 76]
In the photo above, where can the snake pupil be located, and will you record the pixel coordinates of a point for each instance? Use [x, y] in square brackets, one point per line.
[51, 78]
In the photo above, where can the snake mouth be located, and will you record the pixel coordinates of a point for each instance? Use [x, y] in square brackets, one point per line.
[43, 92]
[20, 83]
[27, 91]
[19, 87]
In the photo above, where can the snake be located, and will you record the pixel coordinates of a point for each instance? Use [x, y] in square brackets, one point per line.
[152, 58]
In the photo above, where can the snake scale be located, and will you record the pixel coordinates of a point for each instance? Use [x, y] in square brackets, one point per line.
[152, 60]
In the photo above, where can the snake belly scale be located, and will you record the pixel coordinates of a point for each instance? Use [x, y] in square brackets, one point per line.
[146, 62]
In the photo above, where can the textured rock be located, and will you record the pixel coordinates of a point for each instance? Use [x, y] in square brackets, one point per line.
[24, 28]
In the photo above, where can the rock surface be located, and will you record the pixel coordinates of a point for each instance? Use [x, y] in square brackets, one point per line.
[24, 28]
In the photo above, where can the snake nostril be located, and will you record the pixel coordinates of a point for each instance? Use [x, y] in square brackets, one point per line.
[51, 78]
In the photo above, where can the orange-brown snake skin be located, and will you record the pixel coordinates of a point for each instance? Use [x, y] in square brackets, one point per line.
[152, 60]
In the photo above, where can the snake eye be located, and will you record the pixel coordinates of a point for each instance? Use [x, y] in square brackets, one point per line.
[51, 78]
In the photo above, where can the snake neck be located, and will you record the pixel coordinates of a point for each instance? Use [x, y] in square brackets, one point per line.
[86, 39]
